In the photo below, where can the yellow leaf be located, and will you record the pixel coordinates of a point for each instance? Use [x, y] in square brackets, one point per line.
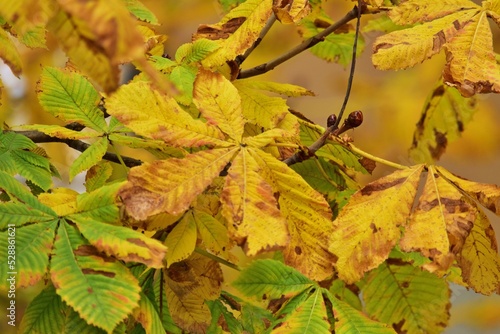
[251, 209]
[368, 227]
[289, 12]
[109, 25]
[236, 32]
[444, 116]
[479, 258]
[471, 65]
[414, 11]
[219, 102]
[9, 53]
[86, 55]
[61, 200]
[212, 232]
[441, 222]
[265, 138]
[275, 87]
[149, 113]
[263, 110]
[188, 285]
[181, 241]
[308, 217]
[171, 185]
[408, 47]
[486, 194]
[25, 15]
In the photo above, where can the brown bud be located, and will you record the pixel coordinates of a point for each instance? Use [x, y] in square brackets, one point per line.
[355, 119]
[330, 121]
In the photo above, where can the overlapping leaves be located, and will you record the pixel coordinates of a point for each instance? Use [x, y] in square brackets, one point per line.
[258, 187]
[447, 226]
[96, 35]
[71, 238]
[461, 27]
[304, 307]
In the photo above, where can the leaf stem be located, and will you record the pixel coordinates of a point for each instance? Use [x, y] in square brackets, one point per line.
[216, 258]
[355, 149]
[308, 43]
[118, 156]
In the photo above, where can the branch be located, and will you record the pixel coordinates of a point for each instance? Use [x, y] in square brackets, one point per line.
[40, 137]
[308, 43]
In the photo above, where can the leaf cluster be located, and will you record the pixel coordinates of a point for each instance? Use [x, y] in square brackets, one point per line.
[232, 170]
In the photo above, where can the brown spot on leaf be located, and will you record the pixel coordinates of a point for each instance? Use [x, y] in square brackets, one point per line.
[321, 24]
[89, 271]
[375, 186]
[441, 143]
[374, 228]
[405, 284]
[368, 164]
[214, 32]
[298, 250]
[398, 327]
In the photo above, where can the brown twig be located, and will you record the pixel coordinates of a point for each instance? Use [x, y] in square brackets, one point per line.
[40, 137]
[308, 43]
[333, 129]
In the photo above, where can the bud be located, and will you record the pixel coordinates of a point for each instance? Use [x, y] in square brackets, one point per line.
[355, 119]
[330, 121]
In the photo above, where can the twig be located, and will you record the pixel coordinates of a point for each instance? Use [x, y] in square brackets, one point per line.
[263, 33]
[353, 66]
[311, 150]
[216, 258]
[308, 43]
[40, 137]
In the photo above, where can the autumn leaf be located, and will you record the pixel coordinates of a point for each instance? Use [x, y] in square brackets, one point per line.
[460, 27]
[9, 53]
[152, 114]
[251, 209]
[181, 240]
[188, 285]
[291, 12]
[148, 192]
[368, 227]
[393, 295]
[444, 117]
[236, 32]
[451, 216]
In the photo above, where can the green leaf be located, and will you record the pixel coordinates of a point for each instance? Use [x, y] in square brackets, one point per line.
[33, 244]
[163, 309]
[183, 78]
[90, 157]
[99, 288]
[47, 313]
[14, 188]
[309, 317]
[351, 321]
[336, 47]
[221, 317]
[98, 175]
[181, 241]
[20, 214]
[196, 51]
[71, 97]
[17, 157]
[270, 278]
[414, 300]
[99, 204]
[140, 11]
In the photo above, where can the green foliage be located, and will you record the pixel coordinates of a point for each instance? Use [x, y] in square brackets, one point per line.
[192, 165]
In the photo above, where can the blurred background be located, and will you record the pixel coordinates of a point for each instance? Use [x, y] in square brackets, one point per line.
[392, 103]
